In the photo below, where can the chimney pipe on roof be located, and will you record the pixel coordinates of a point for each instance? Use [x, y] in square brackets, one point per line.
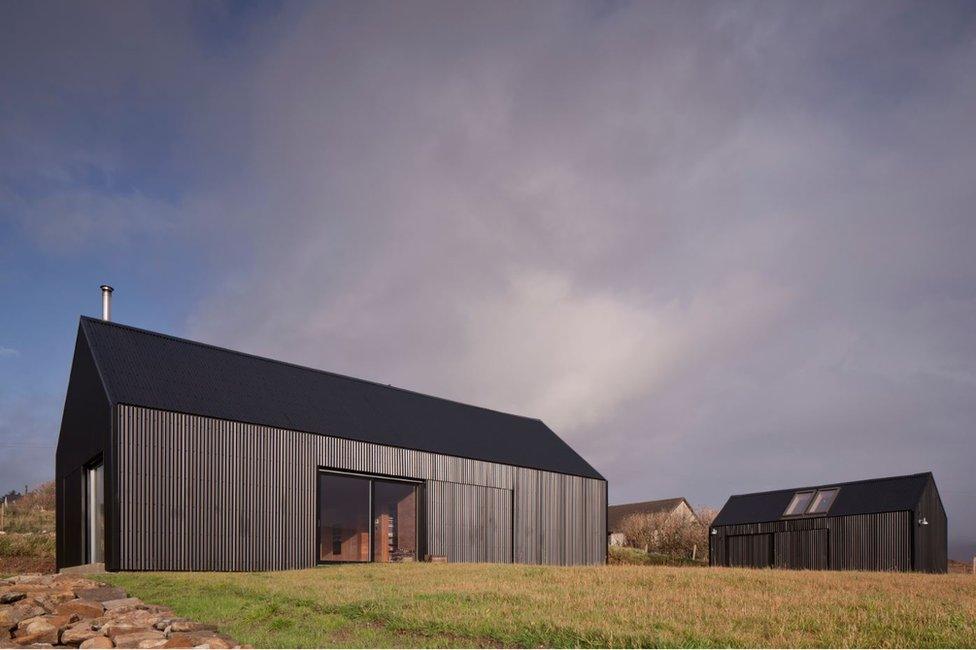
[106, 302]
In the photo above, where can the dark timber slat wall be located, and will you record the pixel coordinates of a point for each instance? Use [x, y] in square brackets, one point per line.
[750, 550]
[801, 549]
[931, 549]
[469, 523]
[874, 542]
[878, 542]
[84, 436]
[197, 493]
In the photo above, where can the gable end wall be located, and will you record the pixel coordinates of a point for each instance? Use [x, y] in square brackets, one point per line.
[85, 433]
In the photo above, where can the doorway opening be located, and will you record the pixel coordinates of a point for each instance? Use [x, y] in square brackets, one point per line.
[95, 512]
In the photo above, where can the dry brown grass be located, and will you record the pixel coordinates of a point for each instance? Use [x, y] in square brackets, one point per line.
[32, 513]
[27, 542]
[586, 606]
[955, 566]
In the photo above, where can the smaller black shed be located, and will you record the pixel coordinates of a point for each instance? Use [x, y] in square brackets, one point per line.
[885, 524]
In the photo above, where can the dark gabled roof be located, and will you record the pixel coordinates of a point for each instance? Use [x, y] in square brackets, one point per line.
[617, 514]
[888, 494]
[144, 368]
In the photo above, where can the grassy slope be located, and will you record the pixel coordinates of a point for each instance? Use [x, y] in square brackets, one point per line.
[28, 540]
[473, 605]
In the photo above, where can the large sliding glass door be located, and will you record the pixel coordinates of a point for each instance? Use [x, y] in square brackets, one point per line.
[394, 521]
[363, 519]
[343, 518]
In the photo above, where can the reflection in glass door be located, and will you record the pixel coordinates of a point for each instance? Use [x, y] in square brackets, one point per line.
[394, 521]
[363, 519]
[95, 509]
[343, 518]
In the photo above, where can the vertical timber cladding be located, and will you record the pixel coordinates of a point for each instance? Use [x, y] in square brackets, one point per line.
[559, 518]
[878, 542]
[198, 493]
[750, 550]
[469, 523]
[801, 549]
[873, 542]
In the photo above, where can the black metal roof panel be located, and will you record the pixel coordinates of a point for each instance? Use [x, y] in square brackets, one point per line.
[149, 369]
[889, 494]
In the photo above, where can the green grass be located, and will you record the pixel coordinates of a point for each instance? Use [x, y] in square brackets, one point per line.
[627, 555]
[491, 605]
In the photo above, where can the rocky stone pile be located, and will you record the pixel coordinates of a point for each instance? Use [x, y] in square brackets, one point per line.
[71, 611]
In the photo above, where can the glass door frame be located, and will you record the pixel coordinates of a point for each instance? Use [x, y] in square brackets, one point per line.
[90, 519]
[418, 485]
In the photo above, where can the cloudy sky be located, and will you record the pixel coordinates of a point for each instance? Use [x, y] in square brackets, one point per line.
[718, 247]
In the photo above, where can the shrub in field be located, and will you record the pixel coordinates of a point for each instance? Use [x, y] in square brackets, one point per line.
[32, 512]
[630, 555]
[671, 534]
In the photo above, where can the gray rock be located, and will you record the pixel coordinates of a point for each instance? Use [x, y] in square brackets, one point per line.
[122, 602]
[184, 625]
[39, 631]
[27, 577]
[78, 633]
[83, 608]
[11, 615]
[89, 614]
[132, 639]
[101, 594]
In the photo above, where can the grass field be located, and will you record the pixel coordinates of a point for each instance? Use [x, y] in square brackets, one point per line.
[27, 533]
[627, 555]
[490, 605]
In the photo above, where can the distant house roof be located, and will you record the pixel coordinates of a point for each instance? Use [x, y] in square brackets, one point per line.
[617, 514]
[888, 494]
[149, 369]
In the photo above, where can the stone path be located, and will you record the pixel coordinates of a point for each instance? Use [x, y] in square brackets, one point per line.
[71, 611]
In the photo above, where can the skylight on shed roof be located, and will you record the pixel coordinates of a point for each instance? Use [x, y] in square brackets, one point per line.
[811, 502]
[822, 502]
[798, 504]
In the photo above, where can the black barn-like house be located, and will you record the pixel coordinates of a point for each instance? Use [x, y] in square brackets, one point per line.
[886, 524]
[176, 455]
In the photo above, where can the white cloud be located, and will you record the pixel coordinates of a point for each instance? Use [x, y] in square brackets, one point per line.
[8, 352]
[574, 356]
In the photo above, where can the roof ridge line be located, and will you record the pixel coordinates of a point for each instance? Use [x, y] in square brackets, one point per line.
[830, 485]
[635, 503]
[310, 369]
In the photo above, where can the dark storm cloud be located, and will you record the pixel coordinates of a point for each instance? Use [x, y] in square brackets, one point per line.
[720, 247]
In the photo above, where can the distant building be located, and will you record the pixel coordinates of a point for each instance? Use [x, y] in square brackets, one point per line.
[617, 515]
[11, 496]
[885, 524]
